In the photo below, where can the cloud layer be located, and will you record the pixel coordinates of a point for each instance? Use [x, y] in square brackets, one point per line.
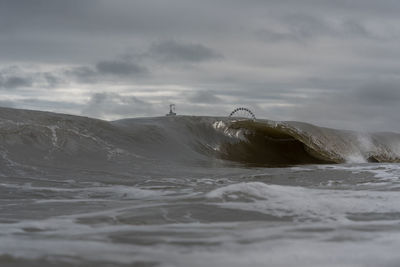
[333, 63]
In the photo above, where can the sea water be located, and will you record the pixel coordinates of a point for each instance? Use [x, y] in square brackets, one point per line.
[82, 192]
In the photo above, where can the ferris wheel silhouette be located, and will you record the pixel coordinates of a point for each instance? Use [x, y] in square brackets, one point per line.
[243, 113]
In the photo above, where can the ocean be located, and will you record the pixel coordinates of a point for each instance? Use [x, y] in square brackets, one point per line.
[195, 191]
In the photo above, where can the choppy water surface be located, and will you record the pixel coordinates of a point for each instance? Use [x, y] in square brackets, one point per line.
[164, 192]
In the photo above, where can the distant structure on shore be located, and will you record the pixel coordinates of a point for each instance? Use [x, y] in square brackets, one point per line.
[171, 110]
[244, 113]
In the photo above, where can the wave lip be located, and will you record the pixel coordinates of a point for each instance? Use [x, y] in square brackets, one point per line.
[291, 143]
[269, 145]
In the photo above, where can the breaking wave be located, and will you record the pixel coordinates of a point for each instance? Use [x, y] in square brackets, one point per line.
[32, 139]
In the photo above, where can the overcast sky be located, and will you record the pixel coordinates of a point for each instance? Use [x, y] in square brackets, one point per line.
[334, 63]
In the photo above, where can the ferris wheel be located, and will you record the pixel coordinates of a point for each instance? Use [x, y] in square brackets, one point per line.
[242, 113]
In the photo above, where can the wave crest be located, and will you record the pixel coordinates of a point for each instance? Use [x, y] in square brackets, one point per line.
[31, 138]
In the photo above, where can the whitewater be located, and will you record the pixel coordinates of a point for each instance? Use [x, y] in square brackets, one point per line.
[195, 191]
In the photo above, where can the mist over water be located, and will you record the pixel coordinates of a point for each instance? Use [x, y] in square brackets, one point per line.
[195, 191]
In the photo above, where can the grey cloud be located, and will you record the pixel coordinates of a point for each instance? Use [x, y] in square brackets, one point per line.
[13, 82]
[183, 52]
[305, 27]
[51, 79]
[93, 74]
[379, 93]
[206, 97]
[104, 105]
[357, 7]
[79, 31]
[119, 16]
[83, 74]
[271, 35]
[14, 77]
[119, 68]
[355, 28]
[42, 10]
